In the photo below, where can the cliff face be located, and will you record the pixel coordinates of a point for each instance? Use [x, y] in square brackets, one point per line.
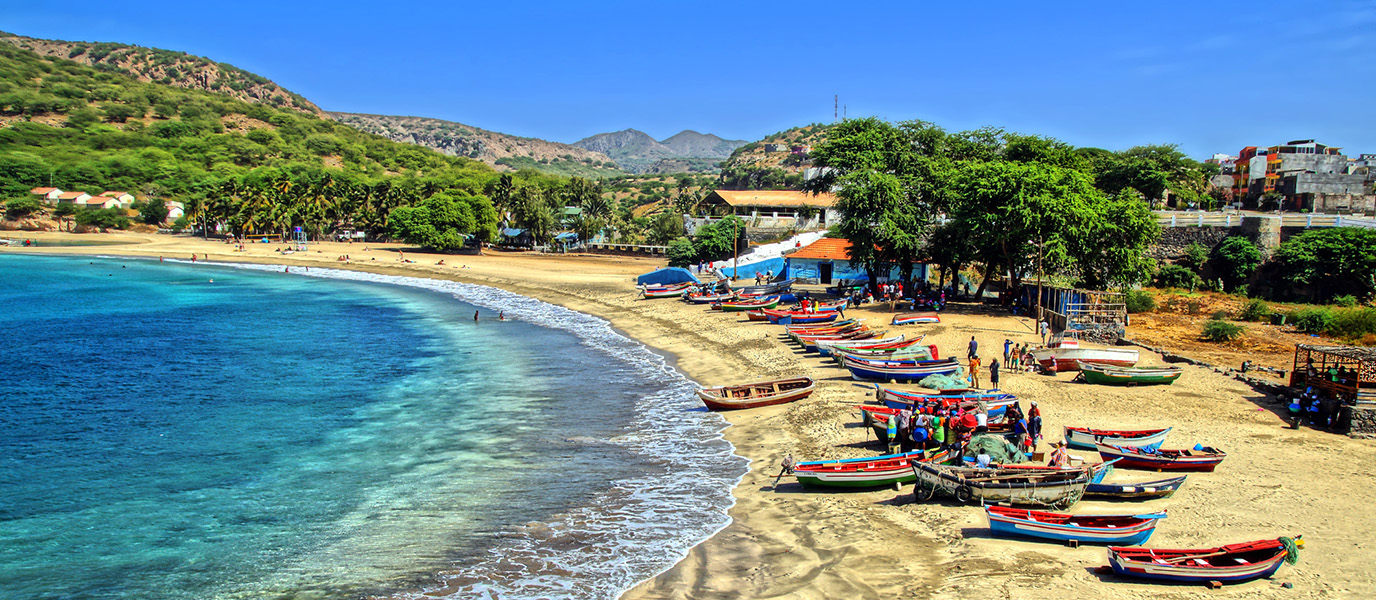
[637, 152]
[169, 67]
[497, 149]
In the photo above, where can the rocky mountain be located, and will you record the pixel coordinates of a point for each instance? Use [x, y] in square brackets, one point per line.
[779, 161]
[637, 152]
[168, 67]
[497, 149]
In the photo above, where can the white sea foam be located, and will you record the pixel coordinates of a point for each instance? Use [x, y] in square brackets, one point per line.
[639, 526]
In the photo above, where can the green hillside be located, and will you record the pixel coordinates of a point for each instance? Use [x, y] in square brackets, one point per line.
[250, 167]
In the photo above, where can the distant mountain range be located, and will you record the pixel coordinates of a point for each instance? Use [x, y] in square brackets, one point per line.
[637, 152]
[497, 149]
[602, 155]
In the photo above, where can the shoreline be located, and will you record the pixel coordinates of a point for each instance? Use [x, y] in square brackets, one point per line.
[796, 542]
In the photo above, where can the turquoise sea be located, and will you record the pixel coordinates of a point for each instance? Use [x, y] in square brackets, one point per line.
[333, 434]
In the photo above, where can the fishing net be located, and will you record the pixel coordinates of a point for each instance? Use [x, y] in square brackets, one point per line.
[945, 382]
[1292, 550]
[999, 450]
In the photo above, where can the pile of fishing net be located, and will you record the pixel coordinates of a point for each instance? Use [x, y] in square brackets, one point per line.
[945, 382]
[999, 450]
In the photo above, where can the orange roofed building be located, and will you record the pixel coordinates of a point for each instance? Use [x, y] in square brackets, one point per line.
[827, 261]
[768, 209]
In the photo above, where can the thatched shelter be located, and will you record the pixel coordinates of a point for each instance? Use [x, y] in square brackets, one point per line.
[1347, 372]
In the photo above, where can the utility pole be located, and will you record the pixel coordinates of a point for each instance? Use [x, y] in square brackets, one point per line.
[1039, 281]
[835, 108]
[735, 249]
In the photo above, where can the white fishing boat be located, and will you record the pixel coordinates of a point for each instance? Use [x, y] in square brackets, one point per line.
[1068, 355]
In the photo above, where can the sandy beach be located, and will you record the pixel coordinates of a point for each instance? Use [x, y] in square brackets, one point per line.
[801, 543]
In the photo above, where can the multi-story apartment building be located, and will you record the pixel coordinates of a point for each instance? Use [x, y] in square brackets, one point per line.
[1308, 174]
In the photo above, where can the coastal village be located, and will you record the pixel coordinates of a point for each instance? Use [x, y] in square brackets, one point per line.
[960, 364]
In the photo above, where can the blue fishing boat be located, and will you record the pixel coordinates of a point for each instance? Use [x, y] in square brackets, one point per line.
[1128, 530]
[898, 371]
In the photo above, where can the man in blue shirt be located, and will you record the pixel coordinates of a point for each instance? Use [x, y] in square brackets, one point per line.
[974, 348]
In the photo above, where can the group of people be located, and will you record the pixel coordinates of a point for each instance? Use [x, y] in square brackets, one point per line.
[939, 427]
[1320, 409]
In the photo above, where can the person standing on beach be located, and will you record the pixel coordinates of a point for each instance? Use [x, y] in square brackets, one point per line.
[974, 348]
[994, 373]
[974, 371]
[1007, 349]
[1034, 425]
[1044, 329]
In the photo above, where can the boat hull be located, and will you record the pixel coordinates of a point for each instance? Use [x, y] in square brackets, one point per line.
[1147, 490]
[1127, 530]
[1085, 438]
[1227, 564]
[972, 485]
[1070, 359]
[1163, 460]
[862, 472]
[862, 369]
[755, 395]
[917, 318]
[1107, 375]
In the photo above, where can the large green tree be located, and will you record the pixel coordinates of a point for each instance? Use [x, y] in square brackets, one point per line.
[1330, 262]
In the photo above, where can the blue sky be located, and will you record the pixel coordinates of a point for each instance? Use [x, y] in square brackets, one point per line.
[1211, 77]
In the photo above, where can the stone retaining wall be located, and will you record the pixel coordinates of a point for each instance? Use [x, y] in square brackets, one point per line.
[1174, 240]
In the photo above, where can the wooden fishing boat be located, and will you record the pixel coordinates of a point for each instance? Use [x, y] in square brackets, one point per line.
[827, 328]
[1068, 355]
[886, 470]
[1198, 459]
[809, 344]
[744, 305]
[1233, 563]
[881, 392]
[777, 287]
[1093, 529]
[922, 317]
[886, 345]
[1086, 438]
[752, 395]
[708, 298]
[667, 292]
[914, 353]
[884, 370]
[1110, 375]
[1146, 490]
[1058, 488]
[824, 346]
[798, 336]
[790, 317]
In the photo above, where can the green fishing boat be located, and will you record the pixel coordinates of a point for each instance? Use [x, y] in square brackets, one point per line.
[1111, 375]
[743, 305]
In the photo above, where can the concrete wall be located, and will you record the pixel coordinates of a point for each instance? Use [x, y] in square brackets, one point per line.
[1322, 183]
[808, 270]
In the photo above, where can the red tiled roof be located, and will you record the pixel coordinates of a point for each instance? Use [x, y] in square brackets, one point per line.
[42, 190]
[825, 249]
[70, 195]
[113, 194]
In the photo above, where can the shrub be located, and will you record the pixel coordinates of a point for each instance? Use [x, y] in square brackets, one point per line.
[1139, 301]
[681, 252]
[21, 207]
[1354, 323]
[1313, 320]
[1236, 259]
[1345, 301]
[1219, 315]
[1254, 310]
[1176, 276]
[1195, 256]
[1221, 331]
